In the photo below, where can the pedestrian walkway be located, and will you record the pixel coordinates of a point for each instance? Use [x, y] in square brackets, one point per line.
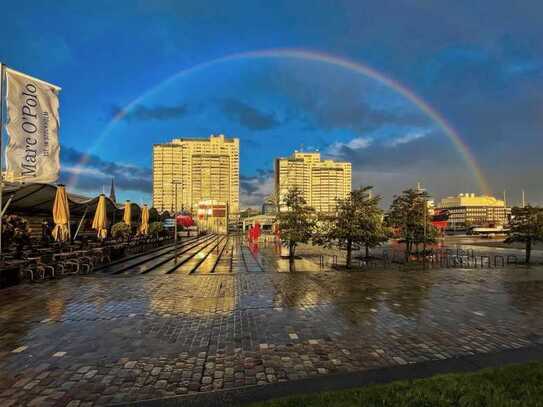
[344, 381]
[102, 339]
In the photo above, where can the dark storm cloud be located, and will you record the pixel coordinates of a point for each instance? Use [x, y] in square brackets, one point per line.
[143, 113]
[255, 188]
[248, 116]
[497, 110]
[357, 116]
[251, 184]
[395, 155]
[325, 100]
[93, 172]
[478, 63]
[248, 187]
[394, 166]
[490, 93]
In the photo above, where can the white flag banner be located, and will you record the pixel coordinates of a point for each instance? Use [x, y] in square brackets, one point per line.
[32, 154]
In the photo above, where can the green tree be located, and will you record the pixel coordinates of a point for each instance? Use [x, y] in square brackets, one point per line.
[358, 222]
[120, 230]
[297, 222]
[408, 214]
[527, 227]
[153, 215]
[156, 228]
[15, 232]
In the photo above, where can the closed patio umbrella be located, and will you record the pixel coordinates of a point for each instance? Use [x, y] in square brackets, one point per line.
[61, 215]
[144, 227]
[100, 218]
[127, 216]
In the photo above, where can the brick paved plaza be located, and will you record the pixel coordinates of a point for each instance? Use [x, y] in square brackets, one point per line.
[100, 339]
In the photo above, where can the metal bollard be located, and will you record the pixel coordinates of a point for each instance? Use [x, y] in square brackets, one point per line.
[487, 260]
[512, 259]
[502, 263]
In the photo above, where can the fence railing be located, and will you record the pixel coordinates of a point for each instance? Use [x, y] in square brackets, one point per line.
[445, 258]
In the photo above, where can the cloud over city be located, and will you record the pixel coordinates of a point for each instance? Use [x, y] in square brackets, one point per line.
[89, 173]
[143, 113]
[255, 188]
[248, 116]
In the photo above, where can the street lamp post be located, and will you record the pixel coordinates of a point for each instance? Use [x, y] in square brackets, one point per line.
[176, 183]
[425, 228]
[422, 194]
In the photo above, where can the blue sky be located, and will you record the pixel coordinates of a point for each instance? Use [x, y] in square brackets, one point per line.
[480, 65]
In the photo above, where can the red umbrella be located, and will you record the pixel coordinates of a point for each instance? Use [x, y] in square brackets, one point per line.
[185, 221]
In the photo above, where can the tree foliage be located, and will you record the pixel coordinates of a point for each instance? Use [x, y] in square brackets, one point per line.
[154, 216]
[527, 227]
[156, 228]
[15, 232]
[357, 223]
[120, 230]
[407, 215]
[297, 222]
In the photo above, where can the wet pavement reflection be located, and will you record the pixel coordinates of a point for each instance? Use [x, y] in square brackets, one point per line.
[100, 339]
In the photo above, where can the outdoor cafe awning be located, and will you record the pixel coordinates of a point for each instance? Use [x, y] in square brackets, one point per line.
[37, 199]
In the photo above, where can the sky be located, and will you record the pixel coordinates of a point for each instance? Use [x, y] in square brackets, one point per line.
[353, 79]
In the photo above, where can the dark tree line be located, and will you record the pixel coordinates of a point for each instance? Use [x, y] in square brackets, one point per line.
[359, 223]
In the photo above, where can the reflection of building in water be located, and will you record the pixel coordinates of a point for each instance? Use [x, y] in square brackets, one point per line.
[212, 216]
[467, 210]
[55, 308]
[188, 171]
[171, 304]
[322, 182]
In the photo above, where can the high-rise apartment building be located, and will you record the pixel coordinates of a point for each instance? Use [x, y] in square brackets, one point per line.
[470, 210]
[189, 171]
[322, 182]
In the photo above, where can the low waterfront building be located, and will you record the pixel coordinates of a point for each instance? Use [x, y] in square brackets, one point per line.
[266, 223]
[469, 210]
[212, 216]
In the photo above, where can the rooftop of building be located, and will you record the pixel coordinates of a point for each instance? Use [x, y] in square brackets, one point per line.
[220, 138]
[470, 199]
[312, 156]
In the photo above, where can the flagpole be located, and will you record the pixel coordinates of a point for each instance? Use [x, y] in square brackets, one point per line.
[1, 140]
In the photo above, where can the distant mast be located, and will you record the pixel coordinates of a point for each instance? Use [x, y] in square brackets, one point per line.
[112, 195]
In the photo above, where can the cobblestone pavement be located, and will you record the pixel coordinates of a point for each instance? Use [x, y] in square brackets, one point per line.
[94, 340]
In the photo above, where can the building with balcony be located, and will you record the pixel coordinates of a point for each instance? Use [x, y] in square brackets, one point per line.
[187, 171]
[322, 182]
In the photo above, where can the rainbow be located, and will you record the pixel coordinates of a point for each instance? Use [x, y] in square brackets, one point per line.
[308, 55]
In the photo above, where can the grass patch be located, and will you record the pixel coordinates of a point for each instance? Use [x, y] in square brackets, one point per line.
[510, 386]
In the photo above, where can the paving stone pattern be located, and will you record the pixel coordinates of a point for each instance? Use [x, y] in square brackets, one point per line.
[95, 340]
